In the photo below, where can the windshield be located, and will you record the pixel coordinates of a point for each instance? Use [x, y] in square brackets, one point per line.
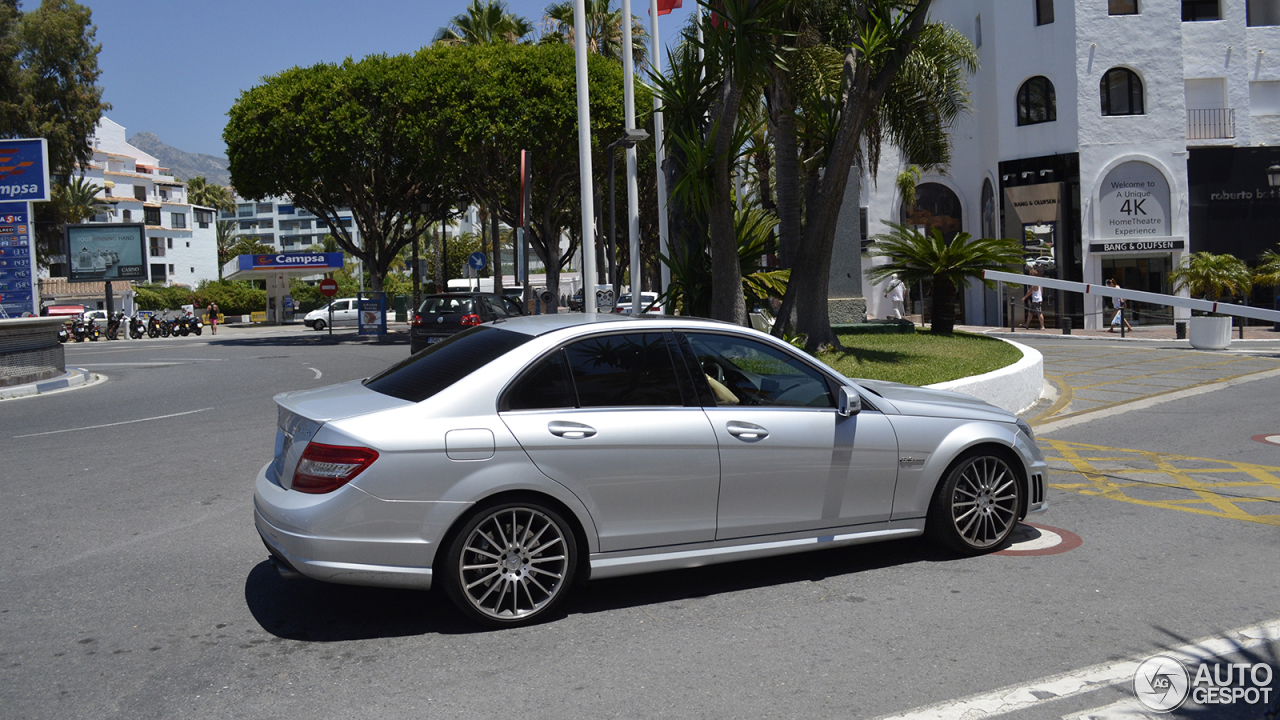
[440, 365]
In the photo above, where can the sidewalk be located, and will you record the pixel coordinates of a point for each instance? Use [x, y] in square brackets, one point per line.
[1163, 333]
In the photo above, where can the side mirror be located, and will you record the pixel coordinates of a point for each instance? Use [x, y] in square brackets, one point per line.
[850, 403]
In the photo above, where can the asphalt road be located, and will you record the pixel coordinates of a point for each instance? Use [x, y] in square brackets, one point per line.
[133, 584]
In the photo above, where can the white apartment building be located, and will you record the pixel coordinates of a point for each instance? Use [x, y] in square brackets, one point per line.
[282, 225]
[1112, 137]
[181, 237]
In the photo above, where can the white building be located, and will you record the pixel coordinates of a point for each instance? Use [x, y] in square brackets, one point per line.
[182, 245]
[282, 225]
[1112, 136]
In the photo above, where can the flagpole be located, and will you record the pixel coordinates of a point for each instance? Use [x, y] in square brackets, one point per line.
[633, 193]
[584, 158]
[655, 55]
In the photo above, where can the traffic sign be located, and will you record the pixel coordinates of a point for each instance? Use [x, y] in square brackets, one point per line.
[477, 260]
[328, 287]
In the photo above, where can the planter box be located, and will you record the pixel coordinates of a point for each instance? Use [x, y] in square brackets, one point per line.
[1209, 333]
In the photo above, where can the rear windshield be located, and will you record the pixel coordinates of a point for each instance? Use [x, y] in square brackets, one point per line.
[442, 305]
[440, 365]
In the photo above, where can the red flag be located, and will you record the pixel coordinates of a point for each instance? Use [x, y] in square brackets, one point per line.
[666, 6]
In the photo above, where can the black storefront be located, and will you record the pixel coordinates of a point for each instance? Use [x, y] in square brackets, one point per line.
[1235, 204]
[1040, 205]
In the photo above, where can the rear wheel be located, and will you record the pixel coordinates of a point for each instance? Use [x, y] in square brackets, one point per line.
[319, 325]
[511, 564]
[976, 506]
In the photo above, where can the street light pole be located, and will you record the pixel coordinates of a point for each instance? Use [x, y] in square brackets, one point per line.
[655, 57]
[584, 156]
[627, 141]
[633, 192]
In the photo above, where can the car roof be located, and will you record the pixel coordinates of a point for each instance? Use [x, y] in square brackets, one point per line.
[543, 324]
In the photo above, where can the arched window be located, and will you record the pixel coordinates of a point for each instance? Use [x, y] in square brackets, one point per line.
[936, 207]
[1036, 101]
[1121, 92]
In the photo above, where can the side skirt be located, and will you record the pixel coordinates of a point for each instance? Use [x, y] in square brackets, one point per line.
[634, 562]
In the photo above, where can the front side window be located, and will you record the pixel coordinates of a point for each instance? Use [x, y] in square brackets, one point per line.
[742, 371]
[1122, 7]
[1121, 92]
[1036, 101]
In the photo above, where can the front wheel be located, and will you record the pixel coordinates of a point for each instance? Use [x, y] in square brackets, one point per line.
[511, 564]
[319, 325]
[976, 506]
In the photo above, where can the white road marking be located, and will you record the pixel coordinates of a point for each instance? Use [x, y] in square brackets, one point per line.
[1145, 403]
[317, 372]
[1047, 539]
[122, 422]
[1089, 679]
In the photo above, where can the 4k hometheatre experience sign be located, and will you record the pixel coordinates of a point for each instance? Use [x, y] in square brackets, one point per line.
[1133, 204]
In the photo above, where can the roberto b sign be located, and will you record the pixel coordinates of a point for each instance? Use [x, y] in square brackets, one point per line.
[24, 170]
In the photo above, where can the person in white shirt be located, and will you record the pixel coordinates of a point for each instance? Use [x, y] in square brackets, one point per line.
[895, 293]
[1035, 308]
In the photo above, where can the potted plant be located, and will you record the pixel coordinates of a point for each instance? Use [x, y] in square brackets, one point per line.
[1213, 278]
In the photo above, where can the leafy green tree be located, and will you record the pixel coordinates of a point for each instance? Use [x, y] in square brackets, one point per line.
[491, 102]
[1212, 277]
[485, 22]
[248, 245]
[914, 257]
[48, 79]
[691, 290]
[363, 135]
[202, 192]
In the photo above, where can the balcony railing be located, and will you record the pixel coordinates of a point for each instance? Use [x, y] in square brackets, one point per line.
[1211, 124]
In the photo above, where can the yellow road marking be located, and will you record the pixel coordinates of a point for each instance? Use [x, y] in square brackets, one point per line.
[1201, 478]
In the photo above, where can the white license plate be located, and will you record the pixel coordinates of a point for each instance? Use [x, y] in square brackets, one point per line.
[434, 339]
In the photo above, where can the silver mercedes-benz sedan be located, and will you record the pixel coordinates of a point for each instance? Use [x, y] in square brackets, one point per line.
[514, 459]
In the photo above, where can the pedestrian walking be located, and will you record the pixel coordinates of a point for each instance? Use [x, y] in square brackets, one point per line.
[896, 294]
[1035, 308]
[213, 316]
[1118, 305]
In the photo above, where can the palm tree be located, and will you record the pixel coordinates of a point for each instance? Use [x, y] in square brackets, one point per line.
[485, 22]
[1268, 272]
[915, 256]
[79, 199]
[1211, 276]
[202, 192]
[604, 29]
[227, 231]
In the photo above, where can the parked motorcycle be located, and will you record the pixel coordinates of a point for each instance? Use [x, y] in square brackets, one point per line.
[137, 327]
[79, 329]
[93, 332]
[113, 325]
[166, 327]
[153, 327]
[64, 332]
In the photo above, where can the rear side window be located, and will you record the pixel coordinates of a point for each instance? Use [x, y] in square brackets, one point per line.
[440, 365]
[623, 370]
[546, 386]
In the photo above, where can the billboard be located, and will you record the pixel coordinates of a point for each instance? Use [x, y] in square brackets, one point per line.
[24, 170]
[106, 252]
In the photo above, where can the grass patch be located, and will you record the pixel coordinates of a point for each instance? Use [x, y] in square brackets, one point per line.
[919, 358]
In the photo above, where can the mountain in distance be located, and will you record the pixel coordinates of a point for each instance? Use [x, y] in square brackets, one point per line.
[183, 165]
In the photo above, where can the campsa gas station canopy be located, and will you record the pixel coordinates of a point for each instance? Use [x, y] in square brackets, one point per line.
[276, 270]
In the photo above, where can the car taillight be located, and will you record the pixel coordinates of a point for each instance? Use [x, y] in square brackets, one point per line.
[325, 468]
[472, 319]
[417, 320]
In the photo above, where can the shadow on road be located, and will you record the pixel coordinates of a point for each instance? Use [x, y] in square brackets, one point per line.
[313, 340]
[323, 612]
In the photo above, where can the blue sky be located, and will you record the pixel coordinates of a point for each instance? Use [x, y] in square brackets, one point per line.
[175, 68]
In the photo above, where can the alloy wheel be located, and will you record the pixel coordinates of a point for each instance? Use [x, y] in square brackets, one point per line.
[514, 563]
[984, 501]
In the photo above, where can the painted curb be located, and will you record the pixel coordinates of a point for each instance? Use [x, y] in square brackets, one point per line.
[1014, 388]
[73, 377]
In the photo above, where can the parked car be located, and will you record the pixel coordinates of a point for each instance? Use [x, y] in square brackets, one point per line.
[509, 460]
[445, 314]
[345, 314]
[649, 304]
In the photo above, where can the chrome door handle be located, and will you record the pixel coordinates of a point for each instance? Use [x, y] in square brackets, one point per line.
[746, 431]
[570, 430]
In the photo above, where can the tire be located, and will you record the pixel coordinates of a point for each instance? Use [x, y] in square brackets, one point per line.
[198, 331]
[511, 564]
[977, 504]
[319, 325]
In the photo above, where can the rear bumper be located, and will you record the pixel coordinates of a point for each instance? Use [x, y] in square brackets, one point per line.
[335, 556]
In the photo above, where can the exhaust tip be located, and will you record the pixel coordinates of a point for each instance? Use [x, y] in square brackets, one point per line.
[285, 569]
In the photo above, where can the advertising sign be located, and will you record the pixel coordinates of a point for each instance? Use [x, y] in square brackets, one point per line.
[24, 170]
[290, 261]
[1033, 213]
[372, 318]
[106, 252]
[17, 279]
[1133, 202]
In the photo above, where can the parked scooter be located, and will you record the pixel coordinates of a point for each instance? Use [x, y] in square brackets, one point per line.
[153, 327]
[79, 329]
[64, 332]
[137, 327]
[93, 332]
[113, 325]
